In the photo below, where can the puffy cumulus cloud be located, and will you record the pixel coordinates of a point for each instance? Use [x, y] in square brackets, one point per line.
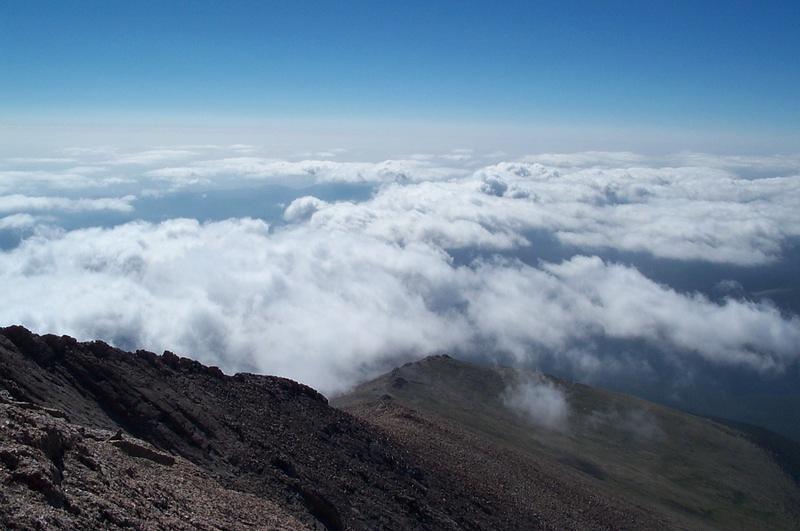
[24, 203]
[345, 286]
[559, 307]
[626, 304]
[303, 208]
[540, 401]
[450, 215]
[494, 186]
[326, 304]
[677, 213]
[298, 303]
[680, 213]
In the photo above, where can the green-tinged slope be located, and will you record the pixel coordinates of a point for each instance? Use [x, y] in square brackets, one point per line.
[533, 433]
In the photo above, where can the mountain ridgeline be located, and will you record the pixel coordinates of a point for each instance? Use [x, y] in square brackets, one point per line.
[94, 437]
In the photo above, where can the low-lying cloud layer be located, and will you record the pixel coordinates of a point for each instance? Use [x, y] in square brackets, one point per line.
[683, 213]
[320, 305]
[732, 210]
[433, 261]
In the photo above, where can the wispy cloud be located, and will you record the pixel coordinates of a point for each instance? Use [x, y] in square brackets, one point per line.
[17, 221]
[539, 401]
[310, 170]
[24, 203]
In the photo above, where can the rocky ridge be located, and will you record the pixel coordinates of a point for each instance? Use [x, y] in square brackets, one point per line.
[95, 437]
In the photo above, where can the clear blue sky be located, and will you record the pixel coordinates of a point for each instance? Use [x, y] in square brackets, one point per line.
[724, 64]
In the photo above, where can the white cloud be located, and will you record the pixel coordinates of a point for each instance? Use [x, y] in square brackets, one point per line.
[17, 221]
[459, 155]
[243, 148]
[39, 160]
[760, 164]
[540, 401]
[680, 213]
[683, 214]
[150, 156]
[558, 306]
[303, 208]
[348, 284]
[736, 210]
[298, 303]
[34, 181]
[324, 304]
[24, 203]
[94, 151]
[613, 159]
[306, 171]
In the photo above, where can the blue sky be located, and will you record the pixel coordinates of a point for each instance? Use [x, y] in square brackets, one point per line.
[681, 65]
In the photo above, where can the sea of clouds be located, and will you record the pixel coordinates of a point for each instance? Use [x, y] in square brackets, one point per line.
[540, 257]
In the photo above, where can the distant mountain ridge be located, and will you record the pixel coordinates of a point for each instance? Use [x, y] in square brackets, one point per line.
[100, 438]
[693, 471]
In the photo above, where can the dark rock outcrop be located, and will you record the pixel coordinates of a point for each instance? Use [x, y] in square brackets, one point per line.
[262, 435]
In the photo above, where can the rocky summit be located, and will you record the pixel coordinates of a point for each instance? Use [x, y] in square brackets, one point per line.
[97, 438]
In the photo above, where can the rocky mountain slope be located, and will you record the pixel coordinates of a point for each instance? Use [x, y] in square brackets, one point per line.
[60, 475]
[536, 441]
[94, 437]
[260, 435]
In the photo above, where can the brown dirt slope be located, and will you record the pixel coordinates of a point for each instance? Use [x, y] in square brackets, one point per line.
[601, 449]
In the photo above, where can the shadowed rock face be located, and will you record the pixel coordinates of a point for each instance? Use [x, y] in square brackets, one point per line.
[266, 436]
